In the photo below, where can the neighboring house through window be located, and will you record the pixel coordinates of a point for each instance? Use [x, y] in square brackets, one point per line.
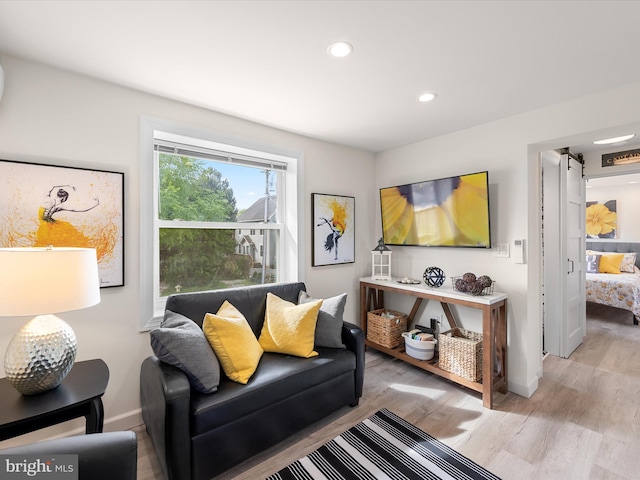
[199, 191]
[264, 211]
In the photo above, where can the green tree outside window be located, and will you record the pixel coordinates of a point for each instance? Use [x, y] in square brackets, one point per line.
[195, 259]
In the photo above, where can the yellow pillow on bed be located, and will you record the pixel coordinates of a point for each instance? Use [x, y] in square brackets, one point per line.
[610, 263]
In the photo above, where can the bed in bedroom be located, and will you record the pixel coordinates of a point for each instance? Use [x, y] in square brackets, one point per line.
[620, 290]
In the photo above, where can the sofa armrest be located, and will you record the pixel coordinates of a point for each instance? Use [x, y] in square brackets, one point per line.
[165, 397]
[101, 456]
[353, 338]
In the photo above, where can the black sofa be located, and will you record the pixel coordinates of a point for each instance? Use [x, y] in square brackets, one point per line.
[198, 436]
[101, 456]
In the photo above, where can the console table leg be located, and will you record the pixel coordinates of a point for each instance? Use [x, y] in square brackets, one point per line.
[95, 417]
[488, 356]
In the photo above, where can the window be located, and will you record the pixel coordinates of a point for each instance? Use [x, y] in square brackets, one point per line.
[200, 198]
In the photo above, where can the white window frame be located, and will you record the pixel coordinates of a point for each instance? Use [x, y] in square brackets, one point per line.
[292, 238]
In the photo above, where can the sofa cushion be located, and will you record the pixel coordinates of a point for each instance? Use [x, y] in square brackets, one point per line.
[278, 377]
[289, 328]
[233, 342]
[250, 301]
[181, 343]
[329, 325]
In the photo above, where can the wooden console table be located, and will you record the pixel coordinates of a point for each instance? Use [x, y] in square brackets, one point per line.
[494, 330]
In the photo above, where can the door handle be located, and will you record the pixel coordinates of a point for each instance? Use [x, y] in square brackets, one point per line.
[571, 262]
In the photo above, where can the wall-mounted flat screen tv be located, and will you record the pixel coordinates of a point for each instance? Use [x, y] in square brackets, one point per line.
[448, 212]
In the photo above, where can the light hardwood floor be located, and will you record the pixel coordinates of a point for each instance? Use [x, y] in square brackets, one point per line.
[582, 423]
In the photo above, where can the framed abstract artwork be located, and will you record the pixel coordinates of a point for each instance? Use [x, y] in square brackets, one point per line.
[333, 233]
[42, 205]
[602, 219]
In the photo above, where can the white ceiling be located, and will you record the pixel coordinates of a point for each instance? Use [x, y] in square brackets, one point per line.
[267, 61]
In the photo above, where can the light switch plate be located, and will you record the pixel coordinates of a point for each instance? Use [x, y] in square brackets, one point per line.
[501, 250]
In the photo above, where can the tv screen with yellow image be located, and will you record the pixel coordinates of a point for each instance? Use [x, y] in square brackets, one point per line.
[448, 212]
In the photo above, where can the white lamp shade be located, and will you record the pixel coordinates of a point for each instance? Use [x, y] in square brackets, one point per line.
[35, 281]
[1, 81]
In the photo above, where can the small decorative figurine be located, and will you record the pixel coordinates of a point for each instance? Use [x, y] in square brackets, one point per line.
[434, 277]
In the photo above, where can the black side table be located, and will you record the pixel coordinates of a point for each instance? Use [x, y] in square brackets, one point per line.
[79, 395]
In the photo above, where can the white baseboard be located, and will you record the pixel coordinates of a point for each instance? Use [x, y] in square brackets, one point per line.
[524, 390]
[125, 421]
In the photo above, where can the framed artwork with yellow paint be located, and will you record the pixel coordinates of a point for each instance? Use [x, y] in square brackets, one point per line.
[602, 219]
[42, 205]
[333, 232]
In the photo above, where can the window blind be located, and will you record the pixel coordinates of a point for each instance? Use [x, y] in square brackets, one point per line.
[184, 150]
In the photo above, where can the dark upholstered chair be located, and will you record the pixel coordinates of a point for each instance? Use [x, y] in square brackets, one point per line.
[101, 456]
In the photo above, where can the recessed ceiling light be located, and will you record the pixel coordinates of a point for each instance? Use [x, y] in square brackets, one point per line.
[607, 141]
[340, 49]
[427, 97]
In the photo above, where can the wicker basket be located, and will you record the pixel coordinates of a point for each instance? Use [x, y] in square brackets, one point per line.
[384, 330]
[461, 353]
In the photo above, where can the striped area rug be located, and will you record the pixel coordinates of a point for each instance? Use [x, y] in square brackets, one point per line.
[383, 447]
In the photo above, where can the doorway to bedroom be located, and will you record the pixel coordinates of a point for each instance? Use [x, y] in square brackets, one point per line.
[613, 244]
[616, 190]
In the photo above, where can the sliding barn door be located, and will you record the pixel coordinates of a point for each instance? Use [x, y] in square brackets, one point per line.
[572, 255]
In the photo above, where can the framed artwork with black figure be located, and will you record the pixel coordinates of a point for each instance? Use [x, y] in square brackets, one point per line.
[333, 231]
[50, 205]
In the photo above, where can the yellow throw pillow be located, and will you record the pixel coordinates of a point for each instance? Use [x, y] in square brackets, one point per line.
[289, 328]
[610, 263]
[233, 341]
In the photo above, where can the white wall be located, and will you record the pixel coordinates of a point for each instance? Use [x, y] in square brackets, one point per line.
[593, 160]
[627, 195]
[509, 150]
[56, 117]
[627, 198]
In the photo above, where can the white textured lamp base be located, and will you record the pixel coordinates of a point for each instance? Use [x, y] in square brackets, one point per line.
[40, 355]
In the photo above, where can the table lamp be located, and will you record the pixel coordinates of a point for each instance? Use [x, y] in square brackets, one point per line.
[44, 281]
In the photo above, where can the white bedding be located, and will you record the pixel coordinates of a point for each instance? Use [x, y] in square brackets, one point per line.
[616, 290]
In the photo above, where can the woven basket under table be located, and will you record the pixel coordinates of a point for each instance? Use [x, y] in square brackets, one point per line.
[386, 331]
[460, 352]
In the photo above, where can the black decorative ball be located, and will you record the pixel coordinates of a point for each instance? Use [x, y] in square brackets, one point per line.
[434, 277]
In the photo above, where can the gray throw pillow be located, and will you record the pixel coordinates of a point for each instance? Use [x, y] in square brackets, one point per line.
[329, 325]
[593, 263]
[181, 342]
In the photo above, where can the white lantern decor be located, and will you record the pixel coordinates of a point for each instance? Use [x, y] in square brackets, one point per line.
[381, 262]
